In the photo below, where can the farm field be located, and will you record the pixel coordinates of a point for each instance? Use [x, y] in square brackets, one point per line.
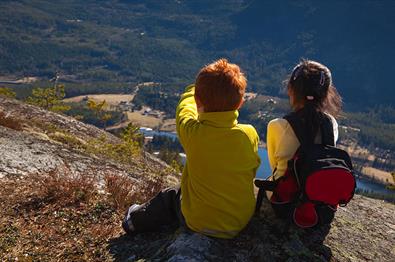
[111, 99]
[139, 119]
[169, 125]
[378, 174]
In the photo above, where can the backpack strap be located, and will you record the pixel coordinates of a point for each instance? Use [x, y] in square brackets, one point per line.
[327, 133]
[305, 139]
[262, 185]
[296, 124]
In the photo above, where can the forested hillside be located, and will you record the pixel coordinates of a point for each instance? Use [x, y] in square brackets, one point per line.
[112, 46]
[354, 38]
[167, 41]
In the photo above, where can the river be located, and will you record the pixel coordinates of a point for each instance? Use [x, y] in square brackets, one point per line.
[264, 170]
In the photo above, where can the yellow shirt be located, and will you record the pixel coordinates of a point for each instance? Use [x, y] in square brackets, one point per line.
[282, 144]
[217, 181]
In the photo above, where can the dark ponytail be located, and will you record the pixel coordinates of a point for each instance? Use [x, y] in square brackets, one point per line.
[314, 92]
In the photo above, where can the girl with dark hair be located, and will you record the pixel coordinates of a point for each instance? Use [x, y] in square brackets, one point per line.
[311, 177]
[312, 96]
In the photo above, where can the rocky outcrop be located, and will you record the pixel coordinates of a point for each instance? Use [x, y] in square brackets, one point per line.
[33, 140]
[362, 231]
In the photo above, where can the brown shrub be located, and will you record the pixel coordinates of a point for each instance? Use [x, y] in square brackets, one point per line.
[63, 187]
[120, 190]
[61, 216]
[10, 122]
[37, 225]
[149, 188]
[123, 192]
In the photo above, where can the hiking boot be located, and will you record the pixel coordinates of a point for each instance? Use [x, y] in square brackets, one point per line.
[127, 223]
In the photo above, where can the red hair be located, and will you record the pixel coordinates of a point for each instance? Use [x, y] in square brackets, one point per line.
[220, 86]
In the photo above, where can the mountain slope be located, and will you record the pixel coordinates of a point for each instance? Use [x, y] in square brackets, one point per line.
[34, 140]
[62, 201]
[65, 185]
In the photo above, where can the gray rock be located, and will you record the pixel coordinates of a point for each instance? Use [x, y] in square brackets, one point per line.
[189, 247]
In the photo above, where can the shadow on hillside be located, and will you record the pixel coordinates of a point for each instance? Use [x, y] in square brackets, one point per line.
[146, 245]
[277, 239]
[266, 238]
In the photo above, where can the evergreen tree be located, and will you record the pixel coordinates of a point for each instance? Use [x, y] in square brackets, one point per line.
[49, 98]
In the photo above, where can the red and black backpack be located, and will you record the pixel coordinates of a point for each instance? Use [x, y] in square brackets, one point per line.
[318, 179]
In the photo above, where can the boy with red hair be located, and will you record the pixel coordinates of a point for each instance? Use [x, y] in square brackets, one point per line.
[217, 194]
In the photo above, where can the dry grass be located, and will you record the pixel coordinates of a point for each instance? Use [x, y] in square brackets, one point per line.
[120, 190]
[10, 122]
[61, 216]
[63, 187]
[68, 139]
[123, 192]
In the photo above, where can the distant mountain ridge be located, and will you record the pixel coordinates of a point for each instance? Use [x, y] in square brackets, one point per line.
[355, 39]
[168, 41]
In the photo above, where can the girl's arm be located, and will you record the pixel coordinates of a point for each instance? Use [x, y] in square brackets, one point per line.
[272, 142]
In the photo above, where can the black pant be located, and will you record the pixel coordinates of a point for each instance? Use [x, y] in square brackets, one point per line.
[162, 210]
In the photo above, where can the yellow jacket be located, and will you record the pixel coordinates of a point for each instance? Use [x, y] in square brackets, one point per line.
[217, 181]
